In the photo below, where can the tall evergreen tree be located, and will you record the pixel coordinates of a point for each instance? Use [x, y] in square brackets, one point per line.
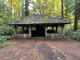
[26, 7]
[62, 10]
[77, 14]
[22, 8]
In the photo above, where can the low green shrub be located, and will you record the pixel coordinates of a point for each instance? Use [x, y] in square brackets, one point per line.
[4, 38]
[4, 43]
[6, 30]
[76, 35]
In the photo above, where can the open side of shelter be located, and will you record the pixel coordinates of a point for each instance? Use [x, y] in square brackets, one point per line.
[39, 25]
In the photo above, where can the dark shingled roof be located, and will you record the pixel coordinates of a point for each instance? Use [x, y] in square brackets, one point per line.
[40, 19]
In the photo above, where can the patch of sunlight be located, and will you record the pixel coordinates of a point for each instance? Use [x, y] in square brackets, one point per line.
[34, 52]
[21, 59]
[12, 43]
[1, 50]
[77, 43]
[17, 52]
[59, 58]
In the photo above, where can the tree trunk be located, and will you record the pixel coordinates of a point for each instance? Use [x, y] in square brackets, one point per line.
[76, 17]
[3, 6]
[26, 7]
[62, 10]
[40, 7]
[22, 8]
[11, 5]
[76, 23]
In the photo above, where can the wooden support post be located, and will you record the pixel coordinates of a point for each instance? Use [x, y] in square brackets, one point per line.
[26, 28]
[52, 27]
[56, 29]
[30, 31]
[23, 28]
[15, 30]
[63, 29]
[46, 31]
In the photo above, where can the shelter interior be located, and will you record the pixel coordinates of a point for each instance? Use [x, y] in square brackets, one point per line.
[39, 30]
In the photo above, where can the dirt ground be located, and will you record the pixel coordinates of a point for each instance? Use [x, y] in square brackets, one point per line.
[41, 49]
